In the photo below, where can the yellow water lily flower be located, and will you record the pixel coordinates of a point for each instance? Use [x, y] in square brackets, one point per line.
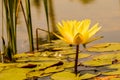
[77, 32]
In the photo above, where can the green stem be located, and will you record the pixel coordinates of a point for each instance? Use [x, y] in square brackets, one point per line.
[76, 58]
[47, 18]
[29, 25]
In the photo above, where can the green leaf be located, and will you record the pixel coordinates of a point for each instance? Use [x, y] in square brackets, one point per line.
[105, 56]
[65, 75]
[108, 56]
[116, 72]
[53, 69]
[114, 66]
[88, 76]
[14, 74]
[45, 65]
[34, 74]
[97, 62]
[68, 64]
[1, 68]
[80, 55]
[8, 64]
[105, 47]
[20, 55]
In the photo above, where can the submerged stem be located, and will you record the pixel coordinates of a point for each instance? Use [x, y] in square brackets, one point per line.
[76, 58]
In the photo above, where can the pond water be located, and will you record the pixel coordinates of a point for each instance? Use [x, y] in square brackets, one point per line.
[106, 12]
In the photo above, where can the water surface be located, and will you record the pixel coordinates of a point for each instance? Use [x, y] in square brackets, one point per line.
[106, 12]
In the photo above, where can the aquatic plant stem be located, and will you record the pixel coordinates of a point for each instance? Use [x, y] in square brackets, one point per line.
[76, 58]
[47, 19]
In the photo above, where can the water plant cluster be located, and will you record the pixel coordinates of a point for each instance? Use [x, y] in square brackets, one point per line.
[56, 61]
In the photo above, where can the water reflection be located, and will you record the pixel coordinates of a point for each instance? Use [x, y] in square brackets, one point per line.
[86, 1]
[37, 3]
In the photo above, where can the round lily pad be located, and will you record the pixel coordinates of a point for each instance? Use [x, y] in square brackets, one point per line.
[65, 75]
[105, 47]
[80, 55]
[97, 62]
[14, 74]
[115, 72]
[87, 76]
[53, 69]
[114, 66]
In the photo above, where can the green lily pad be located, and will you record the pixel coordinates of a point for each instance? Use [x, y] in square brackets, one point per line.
[37, 59]
[20, 65]
[45, 65]
[20, 55]
[68, 51]
[80, 55]
[6, 64]
[68, 64]
[108, 56]
[65, 75]
[14, 74]
[87, 76]
[53, 69]
[1, 68]
[114, 66]
[97, 62]
[37, 74]
[48, 59]
[105, 47]
[115, 72]
[34, 74]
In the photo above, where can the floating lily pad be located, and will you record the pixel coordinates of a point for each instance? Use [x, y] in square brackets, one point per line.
[115, 72]
[65, 75]
[37, 74]
[45, 65]
[37, 59]
[97, 62]
[30, 64]
[80, 55]
[105, 47]
[34, 74]
[53, 69]
[1, 68]
[20, 55]
[114, 66]
[14, 74]
[68, 64]
[87, 76]
[68, 51]
[105, 56]
[8, 65]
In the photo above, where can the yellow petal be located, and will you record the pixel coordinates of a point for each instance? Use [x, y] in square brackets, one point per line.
[93, 39]
[84, 26]
[85, 38]
[93, 30]
[66, 39]
[59, 36]
[77, 39]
